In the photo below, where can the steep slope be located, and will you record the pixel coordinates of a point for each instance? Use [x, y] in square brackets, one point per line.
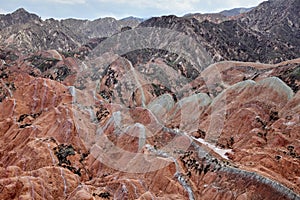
[28, 33]
[20, 16]
[40, 35]
[102, 27]
[279, 20]
[264, 34]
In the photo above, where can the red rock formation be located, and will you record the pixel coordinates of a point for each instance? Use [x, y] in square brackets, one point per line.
[54, 141]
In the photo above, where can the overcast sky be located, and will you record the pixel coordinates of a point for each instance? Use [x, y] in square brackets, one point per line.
[93, 9]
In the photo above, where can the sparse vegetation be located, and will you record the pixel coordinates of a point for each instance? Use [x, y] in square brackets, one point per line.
[62, 152]
[104, 195]
[42, 63]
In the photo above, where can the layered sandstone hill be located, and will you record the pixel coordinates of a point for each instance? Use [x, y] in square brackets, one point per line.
[146, 112]
[235, 136]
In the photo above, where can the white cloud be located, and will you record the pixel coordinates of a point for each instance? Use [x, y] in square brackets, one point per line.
[93, 9]
[68, 1]
[182, 6]
[3, 11]
[175, 5]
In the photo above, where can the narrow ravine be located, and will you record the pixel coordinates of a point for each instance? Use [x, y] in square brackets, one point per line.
[139, 85]
[178, 173]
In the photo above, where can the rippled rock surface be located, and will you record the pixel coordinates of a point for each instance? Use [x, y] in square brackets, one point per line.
[144, 113]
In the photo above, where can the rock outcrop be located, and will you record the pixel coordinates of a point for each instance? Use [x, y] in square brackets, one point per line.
[59, 141]
[267, 33]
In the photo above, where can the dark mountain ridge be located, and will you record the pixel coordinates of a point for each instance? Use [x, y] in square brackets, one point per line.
[268, 33]
[235, 11]
[29, 33]
[20, 16]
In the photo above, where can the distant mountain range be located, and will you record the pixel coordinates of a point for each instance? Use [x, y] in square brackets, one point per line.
[264, 33]
[227, 13]
[221, 16]
[132, 18]
[235, 11]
